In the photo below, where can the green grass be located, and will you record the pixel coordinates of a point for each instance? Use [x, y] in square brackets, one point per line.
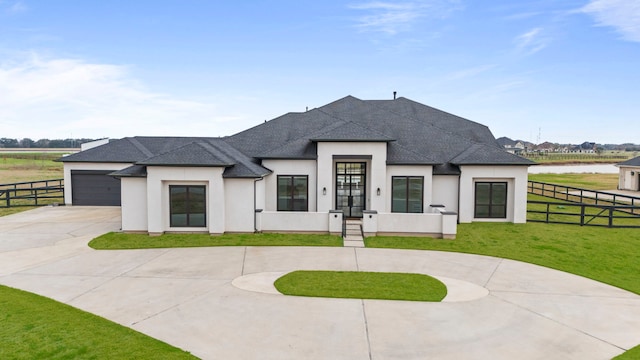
[603, 254]
[117, 240]
[362, 285]
[21, 167]
[586, 181]
[35, 327]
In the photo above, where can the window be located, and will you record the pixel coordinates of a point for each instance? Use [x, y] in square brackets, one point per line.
[293, 193]
[491, 200]
[407, 194]
[187, 206]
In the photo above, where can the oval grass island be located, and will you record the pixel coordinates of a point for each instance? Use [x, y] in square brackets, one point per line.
[362, 285]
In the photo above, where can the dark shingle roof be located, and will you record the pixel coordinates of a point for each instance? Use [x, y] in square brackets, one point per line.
[131, 171]
[414, 133]
[171, 151]
[481, 154]
[631, 162]
[351, 131]
[198, 153]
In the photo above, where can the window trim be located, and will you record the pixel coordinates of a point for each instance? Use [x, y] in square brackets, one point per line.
[490, 204]
[187, 187]
[407, 177]
[306, 207]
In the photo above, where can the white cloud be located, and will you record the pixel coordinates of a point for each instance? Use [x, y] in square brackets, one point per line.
[470, 72]
[394, 17]
[13, 7]
[622, 15]
[59, 98]
[531, 41]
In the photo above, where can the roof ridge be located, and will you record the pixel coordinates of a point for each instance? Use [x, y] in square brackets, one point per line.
[431, 124]
[140, 147]
[215, 151]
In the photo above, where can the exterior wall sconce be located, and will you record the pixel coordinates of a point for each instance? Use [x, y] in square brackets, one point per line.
[378, 192]
[324, 191]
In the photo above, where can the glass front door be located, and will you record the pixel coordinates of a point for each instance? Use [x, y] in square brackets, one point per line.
[350, 188]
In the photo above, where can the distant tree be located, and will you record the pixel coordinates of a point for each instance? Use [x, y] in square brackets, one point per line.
[26, 143]
[42, 143]
[9, 143]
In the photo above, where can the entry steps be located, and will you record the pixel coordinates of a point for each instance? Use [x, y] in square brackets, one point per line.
[353, 234]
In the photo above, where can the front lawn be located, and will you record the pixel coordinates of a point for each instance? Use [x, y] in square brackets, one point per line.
[35, 327]
[362, 285]
[117, 240]
[603, 254]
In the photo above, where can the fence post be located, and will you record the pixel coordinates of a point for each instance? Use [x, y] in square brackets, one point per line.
[582, 215]
[611, 216]
[547, 213]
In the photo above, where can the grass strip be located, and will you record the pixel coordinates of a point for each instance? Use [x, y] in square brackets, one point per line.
[118, 241]
[35, 327]
[362, 285]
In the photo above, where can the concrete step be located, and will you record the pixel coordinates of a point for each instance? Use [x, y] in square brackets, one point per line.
[353, 243]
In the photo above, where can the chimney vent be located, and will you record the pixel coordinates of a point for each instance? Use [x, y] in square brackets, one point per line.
[394, 95]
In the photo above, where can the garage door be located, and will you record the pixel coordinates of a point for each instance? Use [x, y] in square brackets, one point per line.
[94, 187]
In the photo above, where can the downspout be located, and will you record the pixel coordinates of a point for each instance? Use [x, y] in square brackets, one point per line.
[255, 204]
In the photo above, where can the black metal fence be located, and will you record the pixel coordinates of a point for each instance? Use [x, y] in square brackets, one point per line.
[620, 216]
[582, 206]
[578, 195]
[32, 193]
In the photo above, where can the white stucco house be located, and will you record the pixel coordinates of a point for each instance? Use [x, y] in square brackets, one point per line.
[629, 178]
[403, 167]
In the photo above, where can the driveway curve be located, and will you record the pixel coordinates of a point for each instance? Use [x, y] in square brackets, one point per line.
[186, 298]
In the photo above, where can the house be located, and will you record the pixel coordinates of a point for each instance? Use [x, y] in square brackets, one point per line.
[629, 178]
[403, 167]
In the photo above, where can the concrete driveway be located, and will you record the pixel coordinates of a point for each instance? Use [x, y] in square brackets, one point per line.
[186, 298]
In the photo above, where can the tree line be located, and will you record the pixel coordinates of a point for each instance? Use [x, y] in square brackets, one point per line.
[42, 143]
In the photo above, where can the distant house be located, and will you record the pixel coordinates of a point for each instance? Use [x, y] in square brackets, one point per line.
[629, 178]
[400, 166]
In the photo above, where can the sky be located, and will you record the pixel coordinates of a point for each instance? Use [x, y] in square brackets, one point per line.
[547, 70]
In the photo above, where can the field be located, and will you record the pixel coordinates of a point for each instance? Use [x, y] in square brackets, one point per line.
[600, 182]
[607, 157]
[19, 167]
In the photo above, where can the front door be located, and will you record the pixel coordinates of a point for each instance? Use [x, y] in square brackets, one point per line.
[350, 188]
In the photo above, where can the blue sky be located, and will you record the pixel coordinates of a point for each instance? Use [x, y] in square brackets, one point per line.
[560, 71]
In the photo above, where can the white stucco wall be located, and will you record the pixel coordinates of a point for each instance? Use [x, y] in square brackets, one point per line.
[425, 171]
[628, 181]
[85, 166]
[376, 171]
[514, 176]
[288, 167]
[294, 221]
[134, 203]
[158, 180]
[239, 210]
[445, 191]
[397, 223]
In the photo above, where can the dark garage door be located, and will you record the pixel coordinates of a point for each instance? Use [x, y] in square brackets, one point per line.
[94, 187]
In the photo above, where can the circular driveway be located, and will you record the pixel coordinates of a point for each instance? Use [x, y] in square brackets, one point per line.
[186, 298]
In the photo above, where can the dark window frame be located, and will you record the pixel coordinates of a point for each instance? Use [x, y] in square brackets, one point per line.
[491, 204]
[292, 199]
[187, 206]
[407, 192]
